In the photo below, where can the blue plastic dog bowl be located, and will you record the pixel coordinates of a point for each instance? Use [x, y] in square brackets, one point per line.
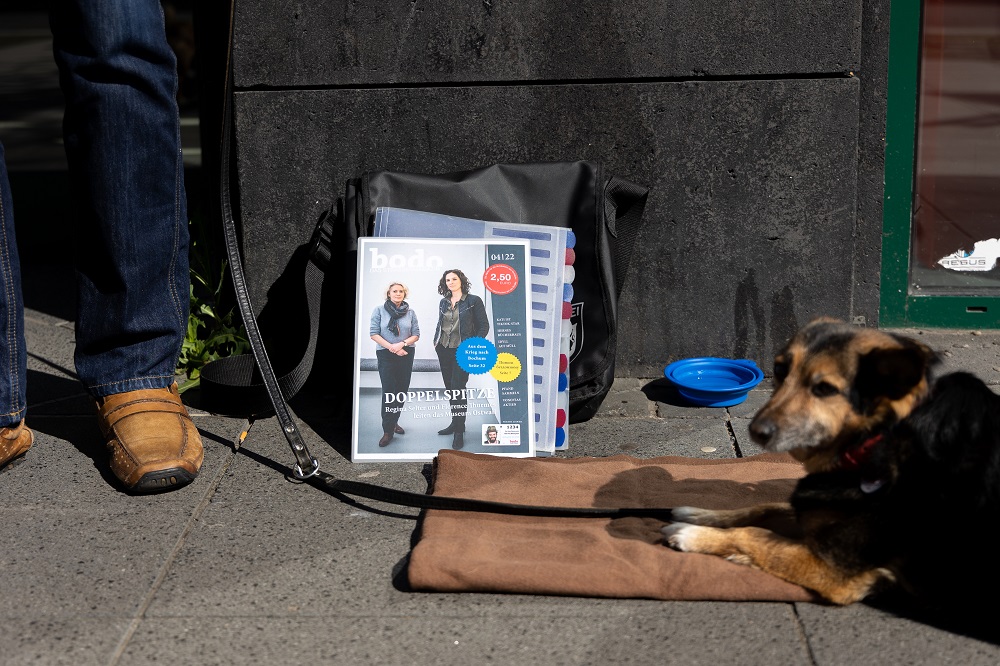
[714, 382]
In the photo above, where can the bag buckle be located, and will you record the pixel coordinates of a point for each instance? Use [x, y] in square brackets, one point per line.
[322, 238]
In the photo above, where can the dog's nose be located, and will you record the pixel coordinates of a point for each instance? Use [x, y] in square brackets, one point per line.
[762, 430]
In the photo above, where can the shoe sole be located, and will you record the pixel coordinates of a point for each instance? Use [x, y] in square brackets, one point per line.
[161, 480]
[13, 462]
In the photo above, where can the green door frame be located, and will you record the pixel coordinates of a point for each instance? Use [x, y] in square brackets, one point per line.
[898, 307]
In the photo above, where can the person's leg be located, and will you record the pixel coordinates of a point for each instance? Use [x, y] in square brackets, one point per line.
[460, 405]
[455, 379]
[122, 135]
[15, 439]
[13, 357]
[394, 372]
[405, 372]
[389, 382]
[446, 361]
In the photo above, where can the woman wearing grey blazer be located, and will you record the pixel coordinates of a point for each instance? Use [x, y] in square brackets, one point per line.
[395, 330]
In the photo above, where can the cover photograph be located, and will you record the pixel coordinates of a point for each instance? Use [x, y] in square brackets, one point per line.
[442, 353]
[549, 251]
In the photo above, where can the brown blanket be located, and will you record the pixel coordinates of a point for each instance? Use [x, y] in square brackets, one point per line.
[483, 552]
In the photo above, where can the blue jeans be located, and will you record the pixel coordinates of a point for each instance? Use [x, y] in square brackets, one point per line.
[13, 356]
[122, 136]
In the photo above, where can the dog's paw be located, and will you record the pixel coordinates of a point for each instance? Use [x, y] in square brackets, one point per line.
[689, 538]
[680, 536]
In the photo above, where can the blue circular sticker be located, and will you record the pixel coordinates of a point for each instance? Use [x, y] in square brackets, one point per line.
[476, 355]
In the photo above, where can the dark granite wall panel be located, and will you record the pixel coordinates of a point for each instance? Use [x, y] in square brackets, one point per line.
[294, 44]
[750, 223]
[871, 162]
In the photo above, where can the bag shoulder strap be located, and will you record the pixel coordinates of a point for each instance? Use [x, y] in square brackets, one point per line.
[233, 385]
[624, 202]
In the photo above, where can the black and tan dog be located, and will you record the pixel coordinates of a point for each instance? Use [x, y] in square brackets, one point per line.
[903, 475]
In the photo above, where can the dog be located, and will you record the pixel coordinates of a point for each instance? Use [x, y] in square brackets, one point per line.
[902, 484]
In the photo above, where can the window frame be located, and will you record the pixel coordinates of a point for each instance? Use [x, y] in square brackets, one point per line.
[898, 307]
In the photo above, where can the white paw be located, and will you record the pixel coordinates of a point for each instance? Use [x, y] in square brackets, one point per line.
[679, 535]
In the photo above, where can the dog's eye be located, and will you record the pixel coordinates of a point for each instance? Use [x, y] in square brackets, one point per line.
[824, 389]
[780, 371]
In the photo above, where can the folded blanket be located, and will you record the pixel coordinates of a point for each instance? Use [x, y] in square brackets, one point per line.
[625, 557]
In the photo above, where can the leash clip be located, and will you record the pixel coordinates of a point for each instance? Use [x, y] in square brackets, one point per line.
[302, 476]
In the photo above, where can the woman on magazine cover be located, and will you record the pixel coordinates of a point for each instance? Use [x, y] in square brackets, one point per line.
[461, 315]
[394, 329]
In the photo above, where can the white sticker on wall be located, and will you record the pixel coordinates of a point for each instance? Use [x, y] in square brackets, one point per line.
[982, 258]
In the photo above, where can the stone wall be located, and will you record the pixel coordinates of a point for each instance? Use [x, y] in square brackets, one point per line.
[757, 125]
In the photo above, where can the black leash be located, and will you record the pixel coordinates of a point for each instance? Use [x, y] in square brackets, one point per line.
[240, 371]
[328, 483]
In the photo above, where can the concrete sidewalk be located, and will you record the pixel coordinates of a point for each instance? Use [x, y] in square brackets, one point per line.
[243, 566]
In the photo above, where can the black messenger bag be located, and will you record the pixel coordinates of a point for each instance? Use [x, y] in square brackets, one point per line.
[604, 212]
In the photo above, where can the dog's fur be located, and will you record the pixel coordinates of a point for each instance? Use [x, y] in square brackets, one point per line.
[903, 475]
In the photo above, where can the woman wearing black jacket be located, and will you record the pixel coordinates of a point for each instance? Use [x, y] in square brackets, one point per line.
[461, 315]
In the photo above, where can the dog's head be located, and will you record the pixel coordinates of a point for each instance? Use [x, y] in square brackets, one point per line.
[837, 384]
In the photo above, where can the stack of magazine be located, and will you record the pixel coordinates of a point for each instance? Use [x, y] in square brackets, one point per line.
[507, 387]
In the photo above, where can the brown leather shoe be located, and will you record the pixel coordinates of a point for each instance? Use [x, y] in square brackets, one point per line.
[14, 442]
[153, 443]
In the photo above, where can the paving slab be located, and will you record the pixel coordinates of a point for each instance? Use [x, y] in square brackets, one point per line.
[54, 641]
[679, 634]
[72, 542]
[975, 351]
[837, 636]
[651, 437]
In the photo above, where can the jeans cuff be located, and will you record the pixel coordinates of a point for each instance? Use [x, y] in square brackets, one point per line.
[135, 384]
[12, 419]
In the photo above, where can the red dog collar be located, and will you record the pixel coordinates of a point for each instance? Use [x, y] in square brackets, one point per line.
[853, 458]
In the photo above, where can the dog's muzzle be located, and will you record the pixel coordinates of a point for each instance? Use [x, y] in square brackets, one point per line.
[762, 430]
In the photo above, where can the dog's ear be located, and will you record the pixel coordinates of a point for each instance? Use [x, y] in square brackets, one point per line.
[894, 371]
